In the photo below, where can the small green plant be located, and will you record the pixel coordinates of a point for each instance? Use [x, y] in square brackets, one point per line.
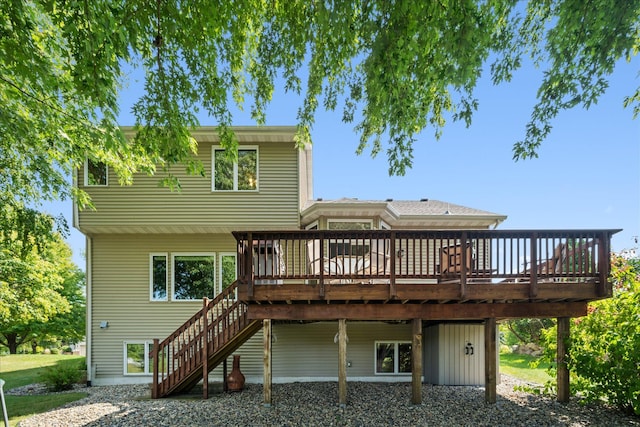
[60, 378]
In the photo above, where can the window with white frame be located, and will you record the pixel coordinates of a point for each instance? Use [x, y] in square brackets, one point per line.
[241, 175]
[228, 270]
[136, 358]
[193, 276]
[158, 277]
[392, 357]
[95, 173]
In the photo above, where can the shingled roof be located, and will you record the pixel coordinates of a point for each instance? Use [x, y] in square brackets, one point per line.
[404, 213]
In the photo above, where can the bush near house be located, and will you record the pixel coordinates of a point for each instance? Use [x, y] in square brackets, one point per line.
[604, 356]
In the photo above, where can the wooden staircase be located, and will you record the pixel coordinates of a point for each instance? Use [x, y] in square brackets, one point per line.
[200, 344]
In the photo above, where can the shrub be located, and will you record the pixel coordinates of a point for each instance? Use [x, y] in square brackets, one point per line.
[60, 378]
[604, 355]
[606, 343]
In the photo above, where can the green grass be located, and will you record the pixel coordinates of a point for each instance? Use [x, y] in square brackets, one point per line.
[22, 369]
[519, 366]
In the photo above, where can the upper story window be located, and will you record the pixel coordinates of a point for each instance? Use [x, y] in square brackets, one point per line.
[239, 176]
[95, 173]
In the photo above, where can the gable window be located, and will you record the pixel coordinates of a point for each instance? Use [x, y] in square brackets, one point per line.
[235, 176]
[158, 277]
[393, 357]
[193, 276]
[95, 173]
[349, 224]
[348, 247]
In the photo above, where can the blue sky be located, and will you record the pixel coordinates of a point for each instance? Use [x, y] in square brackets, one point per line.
[587, 174]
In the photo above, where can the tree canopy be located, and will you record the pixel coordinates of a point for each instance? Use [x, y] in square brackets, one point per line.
[41, 290]
[395, 68]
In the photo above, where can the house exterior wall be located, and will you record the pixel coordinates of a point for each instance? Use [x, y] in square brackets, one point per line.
[120, 286]
[307, 352]
[147, 207]
[132, 222]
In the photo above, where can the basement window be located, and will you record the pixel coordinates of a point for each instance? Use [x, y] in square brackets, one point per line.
[393, 357]
[138, 359]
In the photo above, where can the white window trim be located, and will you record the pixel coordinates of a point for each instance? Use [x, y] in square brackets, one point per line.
[330, 220]
[235, 170]
[166, 279]
[148, 345]
[384, 225]
[396, 358]
[222, 255]
[173, 276]
[86, 175]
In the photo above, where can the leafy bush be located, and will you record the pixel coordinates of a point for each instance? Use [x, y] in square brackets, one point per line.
[606, 344]
[60, 378]
[604, 356]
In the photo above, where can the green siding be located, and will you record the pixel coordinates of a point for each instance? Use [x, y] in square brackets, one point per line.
[146, 205]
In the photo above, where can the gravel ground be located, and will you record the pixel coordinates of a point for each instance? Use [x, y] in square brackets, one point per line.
[315, 404]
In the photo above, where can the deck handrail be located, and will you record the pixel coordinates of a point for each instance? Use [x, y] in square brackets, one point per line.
[186, 351]
[490, 256]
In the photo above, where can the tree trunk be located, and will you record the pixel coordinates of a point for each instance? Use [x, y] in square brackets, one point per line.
[12, 343]
[34, 347]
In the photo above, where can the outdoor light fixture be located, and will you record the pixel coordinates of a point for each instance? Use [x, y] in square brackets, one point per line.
[400, 253]
[104, 324]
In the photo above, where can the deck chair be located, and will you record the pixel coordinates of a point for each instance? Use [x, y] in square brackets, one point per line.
[451, 260]
[377, 262]
[4, 405]
[318, 262]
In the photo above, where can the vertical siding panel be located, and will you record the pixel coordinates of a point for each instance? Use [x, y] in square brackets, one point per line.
[452, 366]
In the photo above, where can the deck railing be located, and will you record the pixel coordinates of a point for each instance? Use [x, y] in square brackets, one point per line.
[397, 257]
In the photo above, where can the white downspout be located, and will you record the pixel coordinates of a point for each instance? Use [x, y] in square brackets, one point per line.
[89, 326]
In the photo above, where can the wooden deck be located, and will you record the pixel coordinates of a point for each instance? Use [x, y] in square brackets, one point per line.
[398, 275]
[410, 274]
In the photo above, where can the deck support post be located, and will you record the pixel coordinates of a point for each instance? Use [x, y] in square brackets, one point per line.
[490, 356]
[342, 362]
[562, 376]
[416, 363]
[156, 371]
[266, 382]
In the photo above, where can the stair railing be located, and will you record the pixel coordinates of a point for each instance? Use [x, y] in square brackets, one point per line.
[188, 348]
